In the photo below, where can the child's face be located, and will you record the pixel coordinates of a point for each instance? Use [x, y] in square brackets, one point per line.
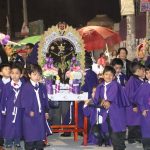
[118, 69]
[108, 76]
[148, 75]
[141, 73]
[93, 92]
[15, 74]
[5, 72]
[35, 76]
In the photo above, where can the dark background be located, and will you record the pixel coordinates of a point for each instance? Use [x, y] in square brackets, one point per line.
[74, 12]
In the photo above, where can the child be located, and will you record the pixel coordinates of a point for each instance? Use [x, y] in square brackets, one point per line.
[5, 73]
[94, 114]
[117, 64]
[143, 100]
[133, 116]
[11, 108]
[109, 94]
[35, 110]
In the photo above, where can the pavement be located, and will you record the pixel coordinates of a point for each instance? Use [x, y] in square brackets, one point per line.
[67, 143]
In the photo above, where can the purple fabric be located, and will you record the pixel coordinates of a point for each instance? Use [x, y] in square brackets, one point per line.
[91, 113]
[34, 128]
[142, 98]
[118, 100]
[1, 116]
[123, 79]
[90, 81]
[49, 86]
[33, 57]
[131, 87]
[11, 130]
[76, 87]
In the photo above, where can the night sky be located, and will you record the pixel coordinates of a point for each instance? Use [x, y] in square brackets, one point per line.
[74, 12]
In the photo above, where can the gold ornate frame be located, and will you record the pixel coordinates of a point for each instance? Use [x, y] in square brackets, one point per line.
[62, 30]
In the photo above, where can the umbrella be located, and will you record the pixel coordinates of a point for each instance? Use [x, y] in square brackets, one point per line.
[31, 39]
[96, 37]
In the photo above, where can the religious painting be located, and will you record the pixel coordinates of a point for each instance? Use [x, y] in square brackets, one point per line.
[62, 43]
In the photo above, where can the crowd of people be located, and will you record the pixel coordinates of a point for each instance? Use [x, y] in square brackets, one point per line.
[118, 101]
[119, 105]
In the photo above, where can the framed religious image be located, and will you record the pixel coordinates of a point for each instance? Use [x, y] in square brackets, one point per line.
[62, 43]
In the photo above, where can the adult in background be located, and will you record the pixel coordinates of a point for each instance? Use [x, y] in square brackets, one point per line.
[122, 54]
[32, 53]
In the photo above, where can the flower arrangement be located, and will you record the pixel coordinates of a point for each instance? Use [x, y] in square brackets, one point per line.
[49, 71]
[75, 75]
[75, 72]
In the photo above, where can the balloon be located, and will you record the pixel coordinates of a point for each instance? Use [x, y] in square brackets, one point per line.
[7, 37]
[4, 41]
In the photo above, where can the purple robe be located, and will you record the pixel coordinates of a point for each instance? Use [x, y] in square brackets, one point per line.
[33, 57]
[34, 128]
[142, 98]
[91, 80]
[91, 113]
[1, 116]
[132, 85]
[123, 79]
[12, 122]
[116, 96]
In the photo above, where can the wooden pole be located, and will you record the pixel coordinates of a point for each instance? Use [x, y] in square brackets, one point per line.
[25, 14]
[147, 25]
[8, 18]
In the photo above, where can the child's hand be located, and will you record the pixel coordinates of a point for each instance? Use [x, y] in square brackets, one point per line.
[31, 114]
[144, 113]
[135, 109]
[46, 116]
[105, 104]
[102, 102]
[87, 102]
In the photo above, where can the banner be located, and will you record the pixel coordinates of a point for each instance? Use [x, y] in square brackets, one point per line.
[127, 7]
[145, 5]
[36, 27]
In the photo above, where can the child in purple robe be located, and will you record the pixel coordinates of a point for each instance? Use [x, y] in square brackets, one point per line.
[5, 73]
[142, 98]
[132, 113]
[117, 64]
[11, 109]
[95, 114]
[110, 95]
[35, 106]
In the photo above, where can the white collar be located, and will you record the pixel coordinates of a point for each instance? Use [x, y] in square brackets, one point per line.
[119, 74]
[5, 80]
[33, 83]
[106, 83]
[148, 81]
[18, 84]
[141, 79]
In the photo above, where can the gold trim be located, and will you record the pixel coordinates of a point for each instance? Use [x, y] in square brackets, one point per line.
[78, 42]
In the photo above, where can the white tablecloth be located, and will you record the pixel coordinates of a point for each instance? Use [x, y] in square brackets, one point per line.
[65, 95]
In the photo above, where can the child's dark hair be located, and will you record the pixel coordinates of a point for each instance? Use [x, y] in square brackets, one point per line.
[120, 49]
[147, 68]
[117, 61]
[17, 66]
[109, 69]
[3, 66]
[135, 66]
[34, 68]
